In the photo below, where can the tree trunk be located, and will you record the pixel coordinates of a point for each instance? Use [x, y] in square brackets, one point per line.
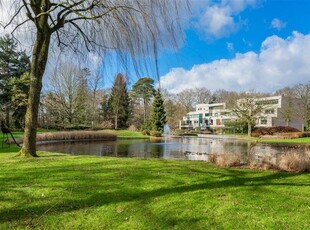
[38, 64]
[116, 119]
[144, 109]
[249, 129]
[7, 116]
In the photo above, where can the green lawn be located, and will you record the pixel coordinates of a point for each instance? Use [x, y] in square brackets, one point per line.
[57, 191]
[302, 140]
[127, 133]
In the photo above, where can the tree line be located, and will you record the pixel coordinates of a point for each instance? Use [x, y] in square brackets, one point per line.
[75, 98]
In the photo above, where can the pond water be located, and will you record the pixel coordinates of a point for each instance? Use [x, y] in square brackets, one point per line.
[185, 148]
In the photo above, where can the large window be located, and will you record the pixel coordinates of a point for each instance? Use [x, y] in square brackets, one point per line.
[268, 102]
[263, 121]
[269, 111]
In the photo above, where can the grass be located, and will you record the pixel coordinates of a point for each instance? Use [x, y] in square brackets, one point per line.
[58, 191]
[302, 140]
[127, 134]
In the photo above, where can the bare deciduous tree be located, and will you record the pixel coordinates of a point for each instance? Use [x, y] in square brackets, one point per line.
[132, 27]
[248, 108]
[302, 91]
[67, 89]
[187, 98]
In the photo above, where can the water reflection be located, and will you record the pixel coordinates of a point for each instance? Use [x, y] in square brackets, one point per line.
[188, 148]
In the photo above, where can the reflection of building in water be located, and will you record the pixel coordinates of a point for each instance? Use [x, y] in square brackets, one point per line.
[197, 156]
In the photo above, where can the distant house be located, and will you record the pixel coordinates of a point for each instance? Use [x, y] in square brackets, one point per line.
[206, 116]
[277, 111]
[280, 111]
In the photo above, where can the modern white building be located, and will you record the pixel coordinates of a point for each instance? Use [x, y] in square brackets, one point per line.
[280, 111]
[276, 111]
[207, 116]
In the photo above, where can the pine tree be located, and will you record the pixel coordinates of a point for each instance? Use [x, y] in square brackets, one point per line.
[158, 113]
[144, 90]
[120, 102]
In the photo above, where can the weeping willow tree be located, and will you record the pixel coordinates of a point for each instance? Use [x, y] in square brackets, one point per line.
[135, 28]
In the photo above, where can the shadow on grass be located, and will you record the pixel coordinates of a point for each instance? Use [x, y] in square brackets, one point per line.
[94, 184]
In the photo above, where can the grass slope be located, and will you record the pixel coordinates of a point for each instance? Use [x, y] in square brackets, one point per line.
[59, 191]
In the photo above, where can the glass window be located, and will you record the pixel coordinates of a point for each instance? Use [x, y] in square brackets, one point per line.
[269, 111]
[263, 121]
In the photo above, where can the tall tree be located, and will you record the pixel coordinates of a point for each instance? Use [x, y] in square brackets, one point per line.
[69, 93]
[94, 82]
[120, 102]
[247, 109]
[158, 113]
[203, 95]
[144, 90]
[133, 27]
[19, 95]
[302, 91]
[187, 98]
[106, 109]
[13, 64]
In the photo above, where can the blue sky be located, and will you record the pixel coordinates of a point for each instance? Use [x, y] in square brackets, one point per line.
[241, 45]
[237, 45]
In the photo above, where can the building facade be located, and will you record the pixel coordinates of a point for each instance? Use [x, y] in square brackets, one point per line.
[275, 111]
[280, 111]
[207, 116]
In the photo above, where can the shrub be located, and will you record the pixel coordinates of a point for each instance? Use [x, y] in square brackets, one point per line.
[146, 132]
[132, 128]
[107, 125]
[155, 133]
[260, 131]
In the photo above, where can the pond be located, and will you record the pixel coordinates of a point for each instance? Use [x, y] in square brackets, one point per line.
[183, 148]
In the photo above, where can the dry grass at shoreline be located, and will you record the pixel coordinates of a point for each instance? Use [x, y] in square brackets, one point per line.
[72, 136]
[294, 162]
[288, 162]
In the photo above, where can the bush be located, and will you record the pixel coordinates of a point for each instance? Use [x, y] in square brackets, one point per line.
[132, 128]
[146, 132]
[261, 131]
[107, 125]
[155, 133]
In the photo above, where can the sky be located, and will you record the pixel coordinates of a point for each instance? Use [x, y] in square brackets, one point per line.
[241, 45]
[234, 45]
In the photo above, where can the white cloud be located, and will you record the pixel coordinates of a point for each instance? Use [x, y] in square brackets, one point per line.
[220, 19]
[278, 24]
[280, 62]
